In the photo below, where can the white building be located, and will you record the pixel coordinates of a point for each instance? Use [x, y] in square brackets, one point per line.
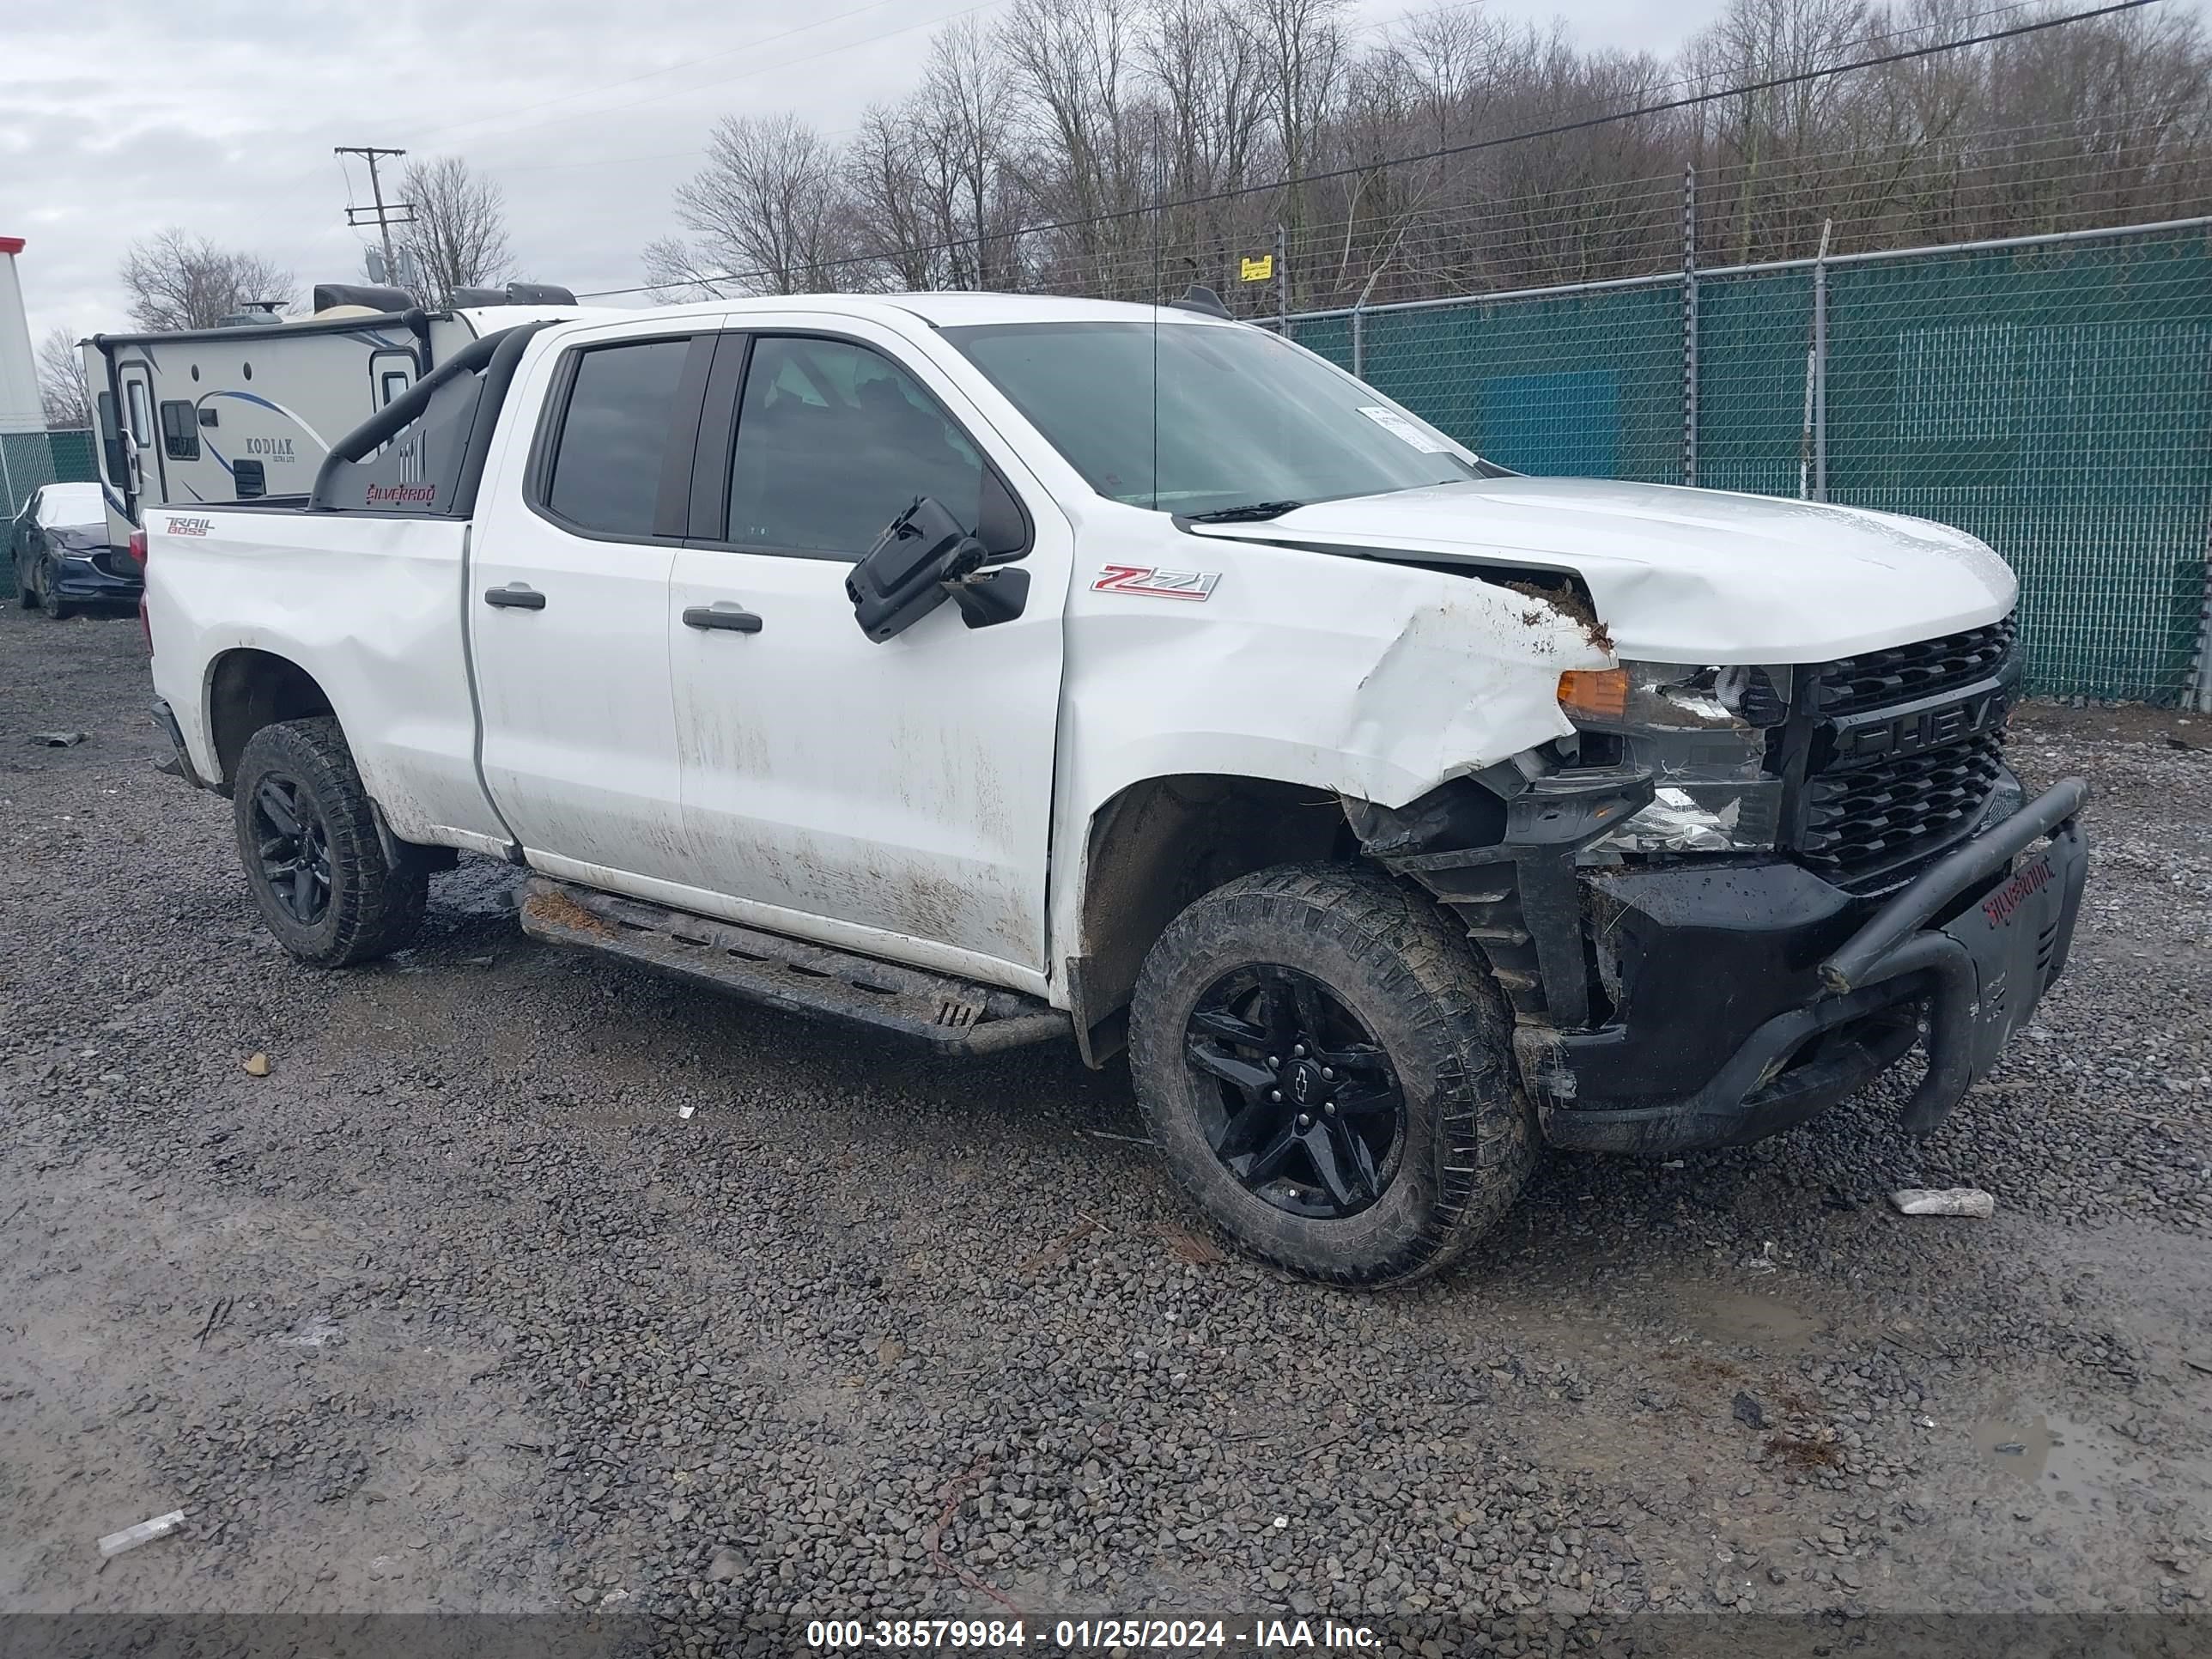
[20, 410]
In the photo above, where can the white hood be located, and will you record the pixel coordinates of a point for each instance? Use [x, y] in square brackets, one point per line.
[1690, 575]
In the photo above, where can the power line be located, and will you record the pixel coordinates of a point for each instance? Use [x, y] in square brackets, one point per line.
[1470, 147]
[1381, 25]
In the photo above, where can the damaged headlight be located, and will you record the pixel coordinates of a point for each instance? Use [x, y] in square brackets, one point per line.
[1701, 732]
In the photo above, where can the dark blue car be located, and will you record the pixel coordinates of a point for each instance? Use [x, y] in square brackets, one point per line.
[62, 557]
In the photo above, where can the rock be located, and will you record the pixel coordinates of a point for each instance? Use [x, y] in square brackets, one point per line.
[727, 1565]
[1749, 1410]
[1950, 1201]
[256, 1064]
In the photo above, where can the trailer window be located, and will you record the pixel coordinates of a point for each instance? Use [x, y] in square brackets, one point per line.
[393, 384]
[141, 424]
[181, 431]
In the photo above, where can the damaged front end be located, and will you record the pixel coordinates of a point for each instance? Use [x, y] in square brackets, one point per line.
[1666, 895]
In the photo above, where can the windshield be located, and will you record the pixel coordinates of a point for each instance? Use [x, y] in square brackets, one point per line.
[70, 504]
[1242, 419]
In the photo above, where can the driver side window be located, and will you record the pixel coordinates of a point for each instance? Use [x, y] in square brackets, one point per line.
[833, 441]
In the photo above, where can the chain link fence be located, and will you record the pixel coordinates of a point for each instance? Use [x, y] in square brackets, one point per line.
[29, 459]
[2051, 395]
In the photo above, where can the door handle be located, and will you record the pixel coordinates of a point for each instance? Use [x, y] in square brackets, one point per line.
[722, 615]
[516, 596]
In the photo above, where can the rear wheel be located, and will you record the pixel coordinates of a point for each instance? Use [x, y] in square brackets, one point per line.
[1326, 1067]
[307, 834]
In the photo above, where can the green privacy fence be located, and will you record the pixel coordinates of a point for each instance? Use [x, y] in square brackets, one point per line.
[2051, 395]
[29, 459]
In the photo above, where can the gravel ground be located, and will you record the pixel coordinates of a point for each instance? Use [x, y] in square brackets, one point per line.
[452, 1311]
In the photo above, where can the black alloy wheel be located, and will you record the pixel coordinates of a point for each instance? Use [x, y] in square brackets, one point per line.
[1325, 1064]
[1311, 1118]
[293, 843]
[332, 884]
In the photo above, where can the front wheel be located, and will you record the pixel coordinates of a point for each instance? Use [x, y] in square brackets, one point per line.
[307, 834]
[50, 600]
[1325, 1065]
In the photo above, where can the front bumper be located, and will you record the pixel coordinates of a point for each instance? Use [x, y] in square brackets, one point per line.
[80, 580]
[1748, 997]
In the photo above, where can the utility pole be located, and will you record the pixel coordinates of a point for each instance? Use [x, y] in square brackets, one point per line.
[383, 217]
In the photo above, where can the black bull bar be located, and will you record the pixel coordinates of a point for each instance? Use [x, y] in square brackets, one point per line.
[1987, 965]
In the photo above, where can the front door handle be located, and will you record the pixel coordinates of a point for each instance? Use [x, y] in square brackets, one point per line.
[722, 615]
[516, 596]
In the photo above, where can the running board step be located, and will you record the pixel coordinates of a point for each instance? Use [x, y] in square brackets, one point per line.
[954, 1016]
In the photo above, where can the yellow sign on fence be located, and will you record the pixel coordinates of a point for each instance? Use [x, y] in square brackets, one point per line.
[1260, 270]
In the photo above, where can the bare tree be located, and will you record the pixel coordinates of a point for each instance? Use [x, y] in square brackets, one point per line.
[966, 127]
[769, 208]
[1083, 138]
[459, 237]
[1125, 147]
[884, 168]
[65, 393]
[177, 281]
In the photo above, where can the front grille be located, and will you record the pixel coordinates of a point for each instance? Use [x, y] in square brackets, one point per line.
[1863, 821]
[1904, 672]
[1876, 815]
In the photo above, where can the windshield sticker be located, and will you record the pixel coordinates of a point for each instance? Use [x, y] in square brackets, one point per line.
[1404, 430]
[1159, 584]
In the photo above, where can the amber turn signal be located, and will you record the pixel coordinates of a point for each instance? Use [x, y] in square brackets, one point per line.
[1596, 694]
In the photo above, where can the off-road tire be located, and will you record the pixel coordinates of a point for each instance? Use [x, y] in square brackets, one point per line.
[375, 907]
[1395, 961]
[56, 608]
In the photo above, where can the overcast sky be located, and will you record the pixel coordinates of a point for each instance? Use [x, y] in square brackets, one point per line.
[119, 117]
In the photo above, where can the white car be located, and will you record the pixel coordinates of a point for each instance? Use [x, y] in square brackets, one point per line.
[998, 669]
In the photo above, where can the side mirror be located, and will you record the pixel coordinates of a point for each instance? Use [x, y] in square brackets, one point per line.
[923, 558]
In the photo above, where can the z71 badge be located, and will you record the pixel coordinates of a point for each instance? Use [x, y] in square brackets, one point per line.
[1158, 583]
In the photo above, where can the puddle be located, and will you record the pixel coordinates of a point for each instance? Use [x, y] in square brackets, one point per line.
[1747, 1318]
[2047, 1452]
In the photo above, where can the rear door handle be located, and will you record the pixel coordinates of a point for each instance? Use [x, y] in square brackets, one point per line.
[722, 614]
[516, 596]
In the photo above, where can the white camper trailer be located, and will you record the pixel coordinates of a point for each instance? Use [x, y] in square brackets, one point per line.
[248, 410]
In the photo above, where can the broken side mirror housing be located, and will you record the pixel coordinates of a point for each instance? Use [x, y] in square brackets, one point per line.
[924, 557]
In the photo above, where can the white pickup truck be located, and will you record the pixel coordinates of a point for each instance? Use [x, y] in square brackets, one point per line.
[1004, 669]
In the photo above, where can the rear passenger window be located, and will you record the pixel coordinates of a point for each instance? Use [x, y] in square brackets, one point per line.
[181, 431]
[833, 441]
[615, 430]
